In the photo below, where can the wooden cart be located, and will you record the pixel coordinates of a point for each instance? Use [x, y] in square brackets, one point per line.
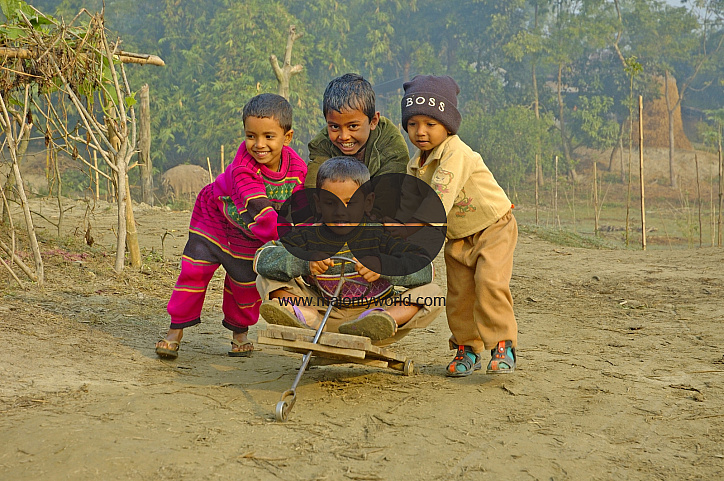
[333, 348]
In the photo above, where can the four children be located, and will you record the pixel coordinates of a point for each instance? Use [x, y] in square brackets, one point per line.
[234, 224]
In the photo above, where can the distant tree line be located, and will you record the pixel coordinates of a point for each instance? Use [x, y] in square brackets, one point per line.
[538, 77]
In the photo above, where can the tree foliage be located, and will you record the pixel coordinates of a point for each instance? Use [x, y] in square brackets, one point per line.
[217, 54]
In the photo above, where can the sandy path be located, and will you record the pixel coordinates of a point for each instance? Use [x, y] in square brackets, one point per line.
[620, 376]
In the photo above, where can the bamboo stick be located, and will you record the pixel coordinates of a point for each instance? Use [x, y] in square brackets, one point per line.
[721, 198]
[95, 163]
[223, 165]
[641, 172]
[698, 198]
[134, 251]
[595, 199]
[125, 57]
[556, 218]
[211, 176]
[536, 187]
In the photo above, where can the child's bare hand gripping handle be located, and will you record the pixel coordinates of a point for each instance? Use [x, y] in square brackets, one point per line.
[368, 269]
[320, 267]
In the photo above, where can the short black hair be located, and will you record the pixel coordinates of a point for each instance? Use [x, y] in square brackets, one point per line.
[349, 92]
[339, 169]
[270, 106]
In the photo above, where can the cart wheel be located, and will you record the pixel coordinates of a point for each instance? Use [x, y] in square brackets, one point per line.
[409, 368]
[282, 411]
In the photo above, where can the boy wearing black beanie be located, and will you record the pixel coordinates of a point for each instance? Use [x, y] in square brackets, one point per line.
[481, 230]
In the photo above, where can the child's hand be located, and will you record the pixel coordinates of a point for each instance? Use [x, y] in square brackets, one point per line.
[369, 269]
[320, 267]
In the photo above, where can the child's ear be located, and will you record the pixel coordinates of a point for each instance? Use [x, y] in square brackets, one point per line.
[288, 136]
[369, 202]
[375, 120]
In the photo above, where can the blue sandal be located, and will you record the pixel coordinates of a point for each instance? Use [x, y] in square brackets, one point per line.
[502, 360]
[464, 363]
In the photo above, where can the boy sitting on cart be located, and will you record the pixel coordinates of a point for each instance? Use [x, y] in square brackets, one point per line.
[298, 275]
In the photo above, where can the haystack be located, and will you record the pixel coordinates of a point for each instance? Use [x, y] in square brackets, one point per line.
[656, 123]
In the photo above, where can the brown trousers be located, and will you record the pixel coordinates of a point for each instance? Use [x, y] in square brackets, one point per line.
[428, 298]
[479, 304]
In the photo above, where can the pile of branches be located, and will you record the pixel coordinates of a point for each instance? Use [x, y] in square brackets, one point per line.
[67, 80]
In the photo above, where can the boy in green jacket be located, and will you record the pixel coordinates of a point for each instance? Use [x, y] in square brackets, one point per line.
[355, 129]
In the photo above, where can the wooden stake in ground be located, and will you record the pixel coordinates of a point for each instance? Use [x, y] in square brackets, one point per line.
[721, 198]
[536, 189]
[712, 210]
[573, 201]
[698, 196]
[144, 145]
[641, 172]
[223, 165]
[556, 219]
[134, 251]
[285, 72]
[95, 164]
[595, 199]
[211, 176]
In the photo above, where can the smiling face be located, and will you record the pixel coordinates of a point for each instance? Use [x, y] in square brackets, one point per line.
[350, 129]
[342, 205]
[425, 132]
[265, 139]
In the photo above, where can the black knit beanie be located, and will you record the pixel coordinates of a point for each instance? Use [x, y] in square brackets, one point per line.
[433, 96]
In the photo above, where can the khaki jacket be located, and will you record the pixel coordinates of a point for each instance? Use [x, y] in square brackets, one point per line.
[472, 198]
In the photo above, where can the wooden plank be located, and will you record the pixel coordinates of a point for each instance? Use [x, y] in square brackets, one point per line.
[329, 360]
[386, 354]
[327, 338]
[319, 349]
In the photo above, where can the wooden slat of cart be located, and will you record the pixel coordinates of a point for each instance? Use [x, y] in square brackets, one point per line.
[334, 346]
[317, 349]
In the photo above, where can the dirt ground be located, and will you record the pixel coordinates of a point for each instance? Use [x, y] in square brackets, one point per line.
[620, 376]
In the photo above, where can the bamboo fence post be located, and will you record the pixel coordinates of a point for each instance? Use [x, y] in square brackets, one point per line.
[144, 145]
[556, 218]
[628, 189]
[595, 199]
[721, 198]
[211, 176]
[698, 197]
[641, 172]
[712, 210]
[536, 189]
[573, 201]
[95, 164]
[134, 251]
[223, 165]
